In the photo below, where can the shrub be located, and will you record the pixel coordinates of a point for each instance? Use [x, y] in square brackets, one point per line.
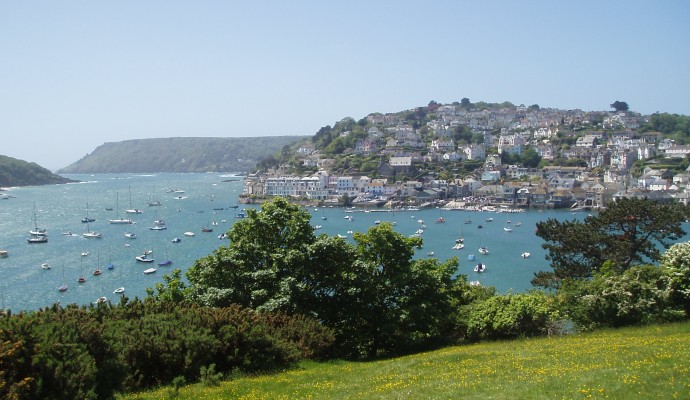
[639, 295]
[676, 264]
[209, 376]
[512, 316]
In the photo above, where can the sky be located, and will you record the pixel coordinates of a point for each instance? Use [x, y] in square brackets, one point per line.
[77, 74]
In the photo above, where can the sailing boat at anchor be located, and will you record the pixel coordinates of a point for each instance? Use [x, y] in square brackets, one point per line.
[87, 219]
[37, 235]
[120, 221]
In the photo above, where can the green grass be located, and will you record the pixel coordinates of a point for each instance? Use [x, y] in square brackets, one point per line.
[635, 363]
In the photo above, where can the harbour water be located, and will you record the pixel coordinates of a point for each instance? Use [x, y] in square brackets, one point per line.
[209, 201]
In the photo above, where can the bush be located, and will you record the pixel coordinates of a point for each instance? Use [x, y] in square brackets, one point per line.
[94, 352]
[511, 316]
[640, 295]
[676, 264]
[209, 377]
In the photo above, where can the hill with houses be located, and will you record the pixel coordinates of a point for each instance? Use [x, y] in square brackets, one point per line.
[468, 154]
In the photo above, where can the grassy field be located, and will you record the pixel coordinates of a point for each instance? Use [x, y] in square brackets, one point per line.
[638, 363]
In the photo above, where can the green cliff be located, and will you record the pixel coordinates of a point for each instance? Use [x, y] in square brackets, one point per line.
[180, 154]
[14, 172]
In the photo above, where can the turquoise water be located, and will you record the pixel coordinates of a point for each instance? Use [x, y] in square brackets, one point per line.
[60, 208]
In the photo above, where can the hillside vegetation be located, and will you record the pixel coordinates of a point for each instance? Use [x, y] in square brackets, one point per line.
[632, 363]
[14, 172]
[180, 154]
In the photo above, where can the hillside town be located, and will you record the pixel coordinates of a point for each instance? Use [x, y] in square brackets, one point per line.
[598, 154]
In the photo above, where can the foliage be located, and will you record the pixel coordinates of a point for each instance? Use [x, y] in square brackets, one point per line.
[255, 269]
[510, 316]
[180, 155]
[639, 295]
[172, 290]
[93, 352]
[619, 106]
[676, 262]
[373, 294]
[209, 376]
[673, 126]
[14, 172]
[177, 383]
[629, 232]
[528, 158]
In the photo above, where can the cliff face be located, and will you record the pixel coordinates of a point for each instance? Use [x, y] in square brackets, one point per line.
[14, 172]
[180, 155]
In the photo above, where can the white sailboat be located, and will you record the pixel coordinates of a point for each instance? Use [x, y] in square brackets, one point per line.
[121, 221]
[89, 234]
[483, 249]
[132, 210]
[36, 234]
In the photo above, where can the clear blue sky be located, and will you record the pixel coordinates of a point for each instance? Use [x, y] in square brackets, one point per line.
[76, 74]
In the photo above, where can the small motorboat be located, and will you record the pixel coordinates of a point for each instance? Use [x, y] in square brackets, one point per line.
[143, 258]
[101, 299]
[149, 271]
[525, 255]
[119, 290]
[479, 267]
[176, 240]
[130, 235]
[45, 266]
[97, 272]
[188, 233]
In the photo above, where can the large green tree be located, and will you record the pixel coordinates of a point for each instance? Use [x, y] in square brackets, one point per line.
[374, 294]
[255, 270]
[628, 232]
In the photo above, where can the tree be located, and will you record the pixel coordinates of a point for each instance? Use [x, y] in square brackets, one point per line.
[465, 102]
[530, 158]
[255, 269]
[629, 232]
[375, 296]
[346, 200]
[619, 106]
[402, 303]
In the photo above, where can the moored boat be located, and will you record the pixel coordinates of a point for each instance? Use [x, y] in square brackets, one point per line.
[144, 258]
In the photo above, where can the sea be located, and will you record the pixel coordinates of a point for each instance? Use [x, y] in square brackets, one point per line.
[207, 205]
